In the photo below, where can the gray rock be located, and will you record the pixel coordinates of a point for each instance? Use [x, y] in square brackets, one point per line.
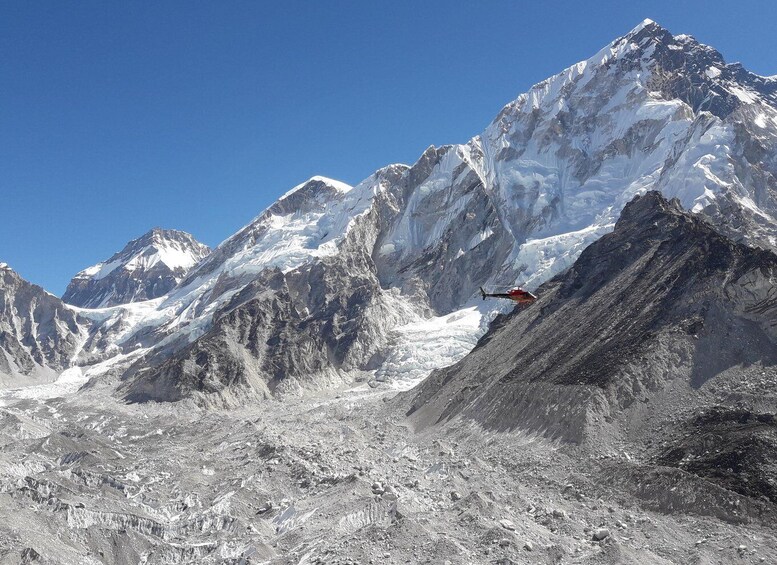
[507, 524]
[39, 334]
[265, 507]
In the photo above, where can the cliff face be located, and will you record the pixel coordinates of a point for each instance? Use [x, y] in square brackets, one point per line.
[663, 298]
[39, 335]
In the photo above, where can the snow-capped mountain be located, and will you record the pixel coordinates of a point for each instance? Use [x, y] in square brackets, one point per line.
[379, 281]
[516, 204]
[629, 411]
[147, 267]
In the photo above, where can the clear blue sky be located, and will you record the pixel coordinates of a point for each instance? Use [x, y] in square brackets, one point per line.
[119, 116]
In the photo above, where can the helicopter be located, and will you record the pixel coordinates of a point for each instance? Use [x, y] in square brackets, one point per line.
[516, 294]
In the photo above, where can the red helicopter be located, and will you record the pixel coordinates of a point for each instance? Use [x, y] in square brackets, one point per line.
[516, 294]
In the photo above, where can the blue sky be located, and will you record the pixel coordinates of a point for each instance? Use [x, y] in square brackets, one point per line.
[118, 117]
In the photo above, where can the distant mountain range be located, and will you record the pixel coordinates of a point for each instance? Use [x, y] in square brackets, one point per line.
[380, 281]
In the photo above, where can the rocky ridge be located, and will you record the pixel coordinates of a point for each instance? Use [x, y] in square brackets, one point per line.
[40, 336]
[660, 342]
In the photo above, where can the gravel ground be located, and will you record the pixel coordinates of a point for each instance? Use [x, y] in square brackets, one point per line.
[337, 477]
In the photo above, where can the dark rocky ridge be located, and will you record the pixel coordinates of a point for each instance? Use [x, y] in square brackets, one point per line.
[656, 328]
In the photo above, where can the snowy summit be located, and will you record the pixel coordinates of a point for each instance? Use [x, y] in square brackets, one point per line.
[147, 267]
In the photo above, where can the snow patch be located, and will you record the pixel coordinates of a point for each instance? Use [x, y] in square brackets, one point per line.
[746, 96]
[336, 184]
[387, 249]
[703, 201]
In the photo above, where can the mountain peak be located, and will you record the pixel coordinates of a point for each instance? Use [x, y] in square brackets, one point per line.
[646, 23]
[317, 181]
[651, 203]
[146, 268]
[158, 235]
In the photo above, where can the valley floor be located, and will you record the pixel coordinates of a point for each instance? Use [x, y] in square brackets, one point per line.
[335, 477]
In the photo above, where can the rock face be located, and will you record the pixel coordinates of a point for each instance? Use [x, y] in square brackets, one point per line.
[745, 452]
[664, 285]
[39, 335]
[280, 319]
[662, 323]
[147, 267]
[282, 330]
